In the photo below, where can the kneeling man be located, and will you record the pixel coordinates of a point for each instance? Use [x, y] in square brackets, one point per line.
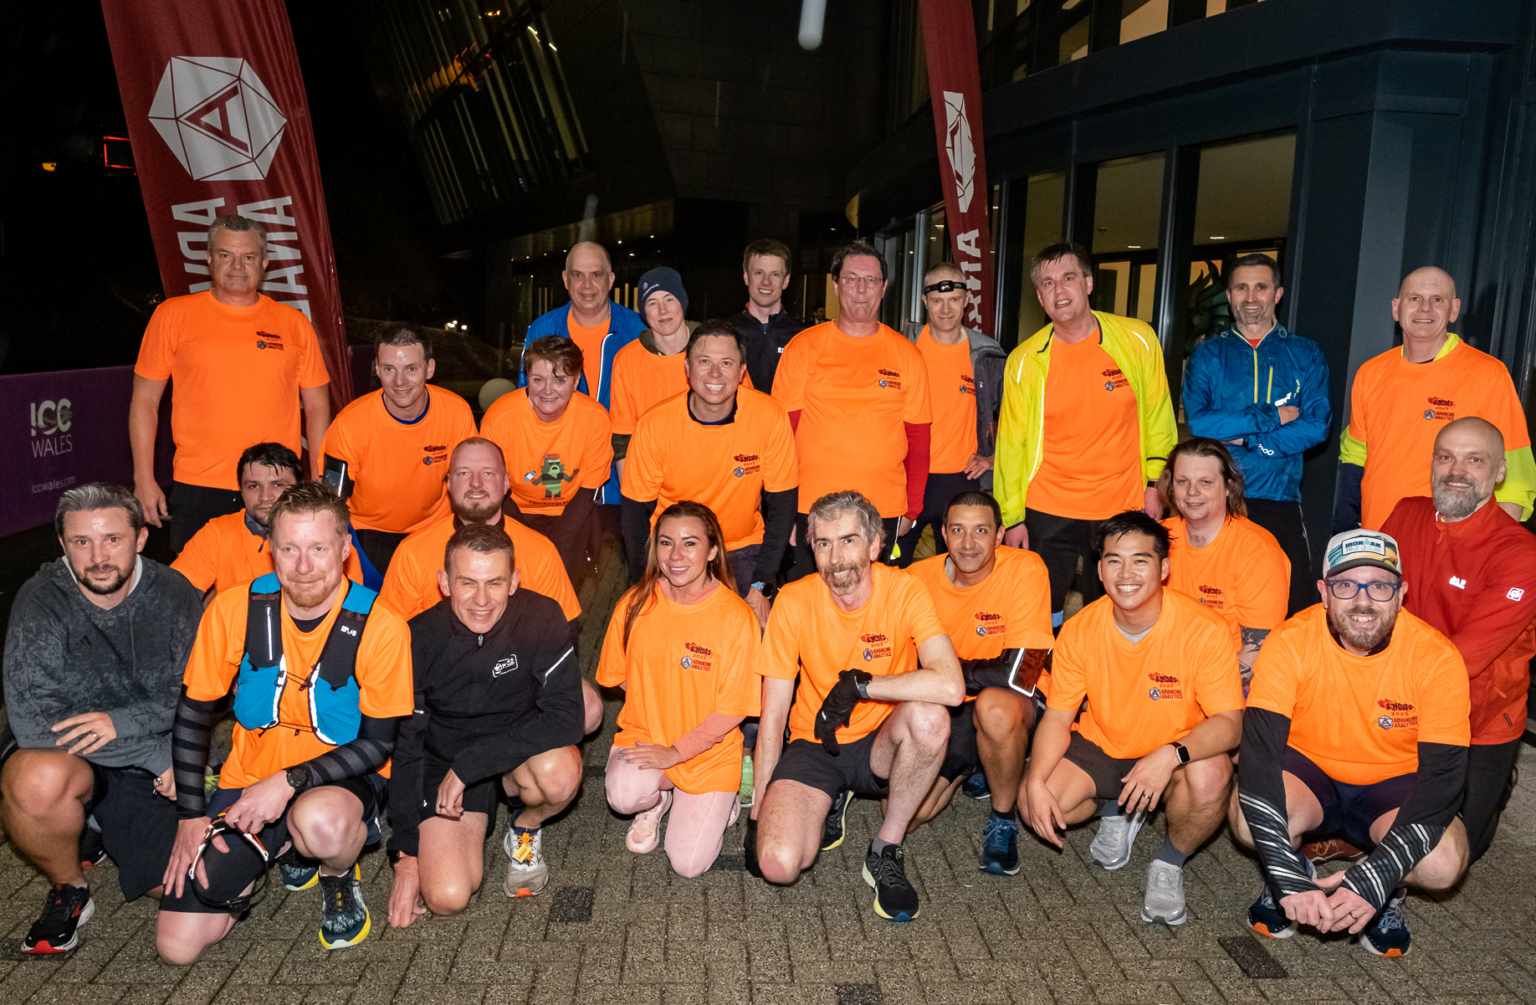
[321, 677]
[876, 674]
[1164, 710]
[1357, 727]
[498, 705]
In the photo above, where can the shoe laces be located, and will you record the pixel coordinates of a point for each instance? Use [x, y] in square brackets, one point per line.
[1391, 916]
[998, 832]
[338, 894]
[891, 870]
[1167, 879]
[59, 907]
[525, 851]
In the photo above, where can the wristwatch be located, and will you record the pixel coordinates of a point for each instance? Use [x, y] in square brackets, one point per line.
[766, 589]
[1182, 751]
[298, 778]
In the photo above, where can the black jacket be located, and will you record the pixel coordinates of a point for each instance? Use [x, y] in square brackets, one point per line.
[485, 703]
[765, 344]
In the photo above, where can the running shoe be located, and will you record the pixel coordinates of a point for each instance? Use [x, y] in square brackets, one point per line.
[837, 821]
[92, 851]
[344, 918]
[1164, 901]
[645, 830]
[1387, 934]
[57, 930]
[744, 793]
[527, 872]
[299, 873]
[976, 787]
[999, 847]
[1331, 850]
[1111, 846]
[1266, 918]
[886, 873]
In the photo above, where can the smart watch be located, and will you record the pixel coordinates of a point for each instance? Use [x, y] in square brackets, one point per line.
[1182, 751]
[298, 778]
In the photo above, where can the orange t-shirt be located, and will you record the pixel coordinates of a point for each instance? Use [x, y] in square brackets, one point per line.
[1010, 609]
[726, 467]
[590, 342]
[1397, 408]
[224, 553]
[1090, 461]
[1243, 575]
[1361, 718]
[952, 389]
[642, 379]
[1144, 694]
[809, 635]
[410, 585]
[399, 467]
[235, 375]
[853, 396]
[549, 461]
[383, 678]
[684, 662]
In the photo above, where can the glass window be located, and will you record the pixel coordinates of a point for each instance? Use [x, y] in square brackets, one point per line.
[1127, 214]
[1043, 203]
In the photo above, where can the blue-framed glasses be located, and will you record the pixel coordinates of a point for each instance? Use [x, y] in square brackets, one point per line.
[1348, 589]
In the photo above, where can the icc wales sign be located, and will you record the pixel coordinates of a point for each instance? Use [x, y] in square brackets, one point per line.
[217, 117]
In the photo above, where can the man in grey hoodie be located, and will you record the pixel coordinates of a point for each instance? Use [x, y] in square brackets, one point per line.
[94, 655]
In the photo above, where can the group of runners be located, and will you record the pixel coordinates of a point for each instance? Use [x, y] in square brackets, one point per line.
[392, 626]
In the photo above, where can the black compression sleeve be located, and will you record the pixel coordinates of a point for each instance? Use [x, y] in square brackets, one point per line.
[778, 521]
[362, 756]
[1420, 823]
[621, 445]
[1346, 505]
[981, 674]
[1261, 793]
[635, 522]
[191, 737]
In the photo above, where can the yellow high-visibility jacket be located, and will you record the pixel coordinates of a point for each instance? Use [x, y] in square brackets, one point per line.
[1136, 351]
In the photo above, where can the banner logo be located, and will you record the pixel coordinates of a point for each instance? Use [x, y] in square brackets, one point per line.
[217, 117]
[49, 417]
[957, 143]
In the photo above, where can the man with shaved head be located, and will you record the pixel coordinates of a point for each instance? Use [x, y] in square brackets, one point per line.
[594, 322]
[1403, 398]
[1473, 570]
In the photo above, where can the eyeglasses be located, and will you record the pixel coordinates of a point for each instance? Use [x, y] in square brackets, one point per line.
[1348, 589]
[860, 282]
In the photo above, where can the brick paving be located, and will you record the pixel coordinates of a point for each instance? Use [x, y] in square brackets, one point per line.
[615, 928]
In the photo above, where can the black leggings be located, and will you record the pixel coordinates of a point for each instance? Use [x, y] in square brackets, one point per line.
[1490, 767]
[1060, 541]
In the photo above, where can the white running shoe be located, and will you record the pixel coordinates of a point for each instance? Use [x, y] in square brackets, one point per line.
[1111, 847]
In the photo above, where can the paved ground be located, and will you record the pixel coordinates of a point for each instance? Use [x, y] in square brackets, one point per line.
[616, 928]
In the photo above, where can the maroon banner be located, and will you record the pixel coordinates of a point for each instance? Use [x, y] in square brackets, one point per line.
[954, 83]
[219, 124]
[64, 429]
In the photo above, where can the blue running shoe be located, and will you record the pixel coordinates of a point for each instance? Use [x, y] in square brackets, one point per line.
[1266, 918]
[999, 847]
[344, 918]
[1387, 934]
[299, 874]
[976, 787]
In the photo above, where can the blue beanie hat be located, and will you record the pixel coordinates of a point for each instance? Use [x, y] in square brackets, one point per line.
[664, 280]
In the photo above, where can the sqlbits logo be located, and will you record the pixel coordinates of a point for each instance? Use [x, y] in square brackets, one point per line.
[50, 422]
[217, 117]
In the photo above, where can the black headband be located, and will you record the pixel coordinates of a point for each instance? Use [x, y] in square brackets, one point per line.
[944, 286]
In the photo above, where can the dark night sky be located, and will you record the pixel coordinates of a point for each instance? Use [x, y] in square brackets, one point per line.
[77, 267]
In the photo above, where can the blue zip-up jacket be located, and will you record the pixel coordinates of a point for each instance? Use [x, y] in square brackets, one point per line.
[624, 326]
[1232, 390]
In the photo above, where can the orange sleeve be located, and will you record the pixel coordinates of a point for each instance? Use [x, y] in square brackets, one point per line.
[611, 664]
[158, 349]
[337, 443]
[643, 467]
[384, 678]
[599, 454]
[1275, 685]
[918, 406]
[622, 408]
[1358, 410]
[738, 689]
[217, 650]
[1218, 681]
[919, 613]
[1069, 676]
[1029, 621]
[1266, 587]
[1511, 417]
[493, 425]
[546, 574]
[395, 593]
[781, 647]
[312, 371]
[781, 465]
[198, 561]
[1444, 702]
[789, 378]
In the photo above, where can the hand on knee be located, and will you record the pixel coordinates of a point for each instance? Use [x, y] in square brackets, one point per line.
[47, 787]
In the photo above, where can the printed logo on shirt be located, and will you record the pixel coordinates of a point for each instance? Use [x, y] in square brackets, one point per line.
[436, 453]
[266, 340]
[698, 658]
[991, 624]
[1212, 597]
[890, 379]
[1442, 409]
[1460, 584]
[967, 385]
[1405, 716]
[1515, 594]
[746, 464]
[1164, 686]
[550, 473]
[1115, 379]
[504, 665]
[877, 646]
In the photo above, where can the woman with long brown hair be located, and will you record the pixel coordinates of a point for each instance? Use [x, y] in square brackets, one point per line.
[685, 652]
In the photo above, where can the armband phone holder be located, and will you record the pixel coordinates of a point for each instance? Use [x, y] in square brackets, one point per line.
[1024, 673]
[336, 477]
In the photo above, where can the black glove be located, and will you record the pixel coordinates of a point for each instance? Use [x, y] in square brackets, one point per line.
[749, 849]
[838, 706]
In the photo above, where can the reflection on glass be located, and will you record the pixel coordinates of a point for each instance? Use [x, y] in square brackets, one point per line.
[1042, 226]
[1128, 204]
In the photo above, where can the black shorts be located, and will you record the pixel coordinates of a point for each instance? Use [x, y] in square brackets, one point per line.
[807, 762]
[962, 756]
[1348, 810]
[478, 798]
[138, 827]
[231, 872]
[1105, 771]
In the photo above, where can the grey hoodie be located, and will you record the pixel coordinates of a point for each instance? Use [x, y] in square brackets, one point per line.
[64, 656]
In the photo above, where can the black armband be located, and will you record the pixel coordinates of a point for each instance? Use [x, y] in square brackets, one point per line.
[191, 738]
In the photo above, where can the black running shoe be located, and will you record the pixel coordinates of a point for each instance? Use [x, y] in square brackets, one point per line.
[92, 851]
[58, 930]
[837, 819]
[886, 873]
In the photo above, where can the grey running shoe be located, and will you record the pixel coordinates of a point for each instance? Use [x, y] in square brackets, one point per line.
[527, 872]
[1111, 847]
[1165, 894]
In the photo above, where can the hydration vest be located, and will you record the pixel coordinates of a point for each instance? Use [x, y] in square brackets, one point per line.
[332, 683]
